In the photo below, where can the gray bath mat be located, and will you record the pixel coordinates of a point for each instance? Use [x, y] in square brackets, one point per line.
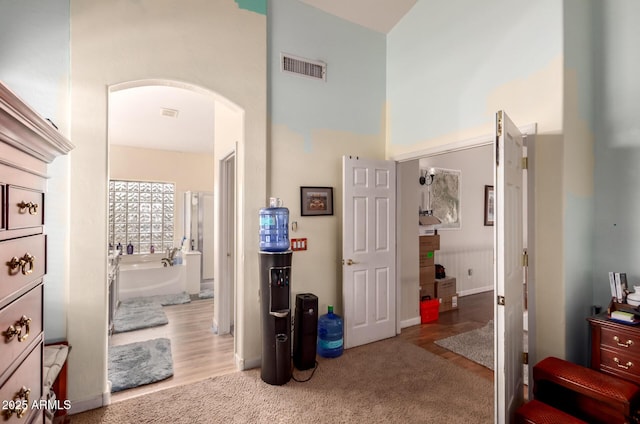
[137, 313]
[172, 299]
[140, 363]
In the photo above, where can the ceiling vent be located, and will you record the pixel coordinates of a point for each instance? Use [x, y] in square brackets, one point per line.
[169, 113]
[304, 67]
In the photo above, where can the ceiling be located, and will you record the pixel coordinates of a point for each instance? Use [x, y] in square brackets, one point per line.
[140, 116]
[378, 15]
[144, 117]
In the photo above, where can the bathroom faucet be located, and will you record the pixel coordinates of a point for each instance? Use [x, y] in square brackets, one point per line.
[171, 253]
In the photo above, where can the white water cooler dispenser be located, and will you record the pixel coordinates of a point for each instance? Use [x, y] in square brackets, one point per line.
[275, 308]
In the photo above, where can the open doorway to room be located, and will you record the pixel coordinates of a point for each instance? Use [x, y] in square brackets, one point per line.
[466, 250]
[163, 138]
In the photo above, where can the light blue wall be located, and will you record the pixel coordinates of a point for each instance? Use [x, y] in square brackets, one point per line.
[313, 124]
[579, 206]
[617, 147]
[352, 99]
[444, 58]
[34, 63]
[34, 48]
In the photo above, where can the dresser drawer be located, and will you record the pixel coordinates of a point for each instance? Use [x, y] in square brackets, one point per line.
[25, 208]
[29, 376]
[23, 261]
[620, 364]
[20, 324]
[617, 339]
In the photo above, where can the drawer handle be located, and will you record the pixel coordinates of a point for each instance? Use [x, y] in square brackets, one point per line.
[19, 404]
[628, 343]
[16, 329]
[625, 366]
[25, 263]
[31, 207]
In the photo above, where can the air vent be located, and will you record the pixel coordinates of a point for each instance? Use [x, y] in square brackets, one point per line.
[304, 67]
[169, 113]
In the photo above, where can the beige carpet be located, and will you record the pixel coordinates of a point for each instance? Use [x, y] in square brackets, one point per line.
[391, 381]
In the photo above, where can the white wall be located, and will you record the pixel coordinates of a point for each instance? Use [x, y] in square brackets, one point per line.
[189, 172]
[214, 45]
[476, 171]
[465, 247]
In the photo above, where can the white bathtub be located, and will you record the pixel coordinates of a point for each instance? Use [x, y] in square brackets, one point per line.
[145, 275]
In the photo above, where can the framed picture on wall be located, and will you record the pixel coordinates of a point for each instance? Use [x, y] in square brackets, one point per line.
[445, 197]
[315, 201]
[489, 205]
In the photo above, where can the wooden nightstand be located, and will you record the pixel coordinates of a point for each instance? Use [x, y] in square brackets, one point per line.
[615, 348]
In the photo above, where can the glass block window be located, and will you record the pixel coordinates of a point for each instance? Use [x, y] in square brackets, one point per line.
[141, 213]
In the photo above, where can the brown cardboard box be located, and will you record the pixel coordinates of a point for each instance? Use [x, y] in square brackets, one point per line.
[448, 303]
[427, 258]
[427, 275]
[446, 287]
[428, 289]
[430, 242]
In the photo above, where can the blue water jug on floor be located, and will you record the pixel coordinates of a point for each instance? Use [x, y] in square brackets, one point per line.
[330, 341]
[274, 227]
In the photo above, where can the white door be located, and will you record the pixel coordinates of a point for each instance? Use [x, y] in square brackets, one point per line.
[508, 269]
[369, 250]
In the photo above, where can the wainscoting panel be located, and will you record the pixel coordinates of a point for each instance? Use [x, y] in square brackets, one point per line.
[472, 267]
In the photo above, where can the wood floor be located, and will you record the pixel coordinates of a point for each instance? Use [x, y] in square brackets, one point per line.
[199, 354]
[473, 312]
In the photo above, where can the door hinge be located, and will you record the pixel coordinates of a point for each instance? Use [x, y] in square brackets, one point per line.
[499, 129]
[525, 163]
[500, 300]
[525, 258]
[525, 358]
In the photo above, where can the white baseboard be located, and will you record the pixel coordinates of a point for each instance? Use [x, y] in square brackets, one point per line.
[475, 291]
[410, 322]
[78, 406]
[244, 364]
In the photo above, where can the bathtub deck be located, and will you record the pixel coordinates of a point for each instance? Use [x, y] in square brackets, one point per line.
[197, 352]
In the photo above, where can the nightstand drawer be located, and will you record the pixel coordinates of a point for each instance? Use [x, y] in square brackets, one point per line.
[22, 261]
[20, 324]
[620, 364]
[25, 208]
[27, 377]
[617, 339]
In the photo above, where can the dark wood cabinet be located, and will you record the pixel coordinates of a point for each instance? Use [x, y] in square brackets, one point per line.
[27, 144]
[615, 348]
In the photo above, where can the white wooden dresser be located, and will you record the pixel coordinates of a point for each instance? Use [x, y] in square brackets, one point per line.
[27, 144]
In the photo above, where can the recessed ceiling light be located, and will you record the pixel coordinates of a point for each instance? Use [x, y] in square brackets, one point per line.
[169, 113]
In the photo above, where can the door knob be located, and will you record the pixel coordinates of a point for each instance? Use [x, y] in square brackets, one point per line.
[350, 262]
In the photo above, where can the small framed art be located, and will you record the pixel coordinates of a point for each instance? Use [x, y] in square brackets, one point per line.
[489, 205]
[315, 201]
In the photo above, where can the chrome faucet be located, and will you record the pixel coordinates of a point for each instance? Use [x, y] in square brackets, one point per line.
[168, 260]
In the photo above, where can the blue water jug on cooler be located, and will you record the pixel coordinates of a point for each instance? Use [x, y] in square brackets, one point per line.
[330, 342]
[274, 227]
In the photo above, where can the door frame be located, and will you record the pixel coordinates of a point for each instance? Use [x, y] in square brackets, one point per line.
[225, 301]
[530, 130]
